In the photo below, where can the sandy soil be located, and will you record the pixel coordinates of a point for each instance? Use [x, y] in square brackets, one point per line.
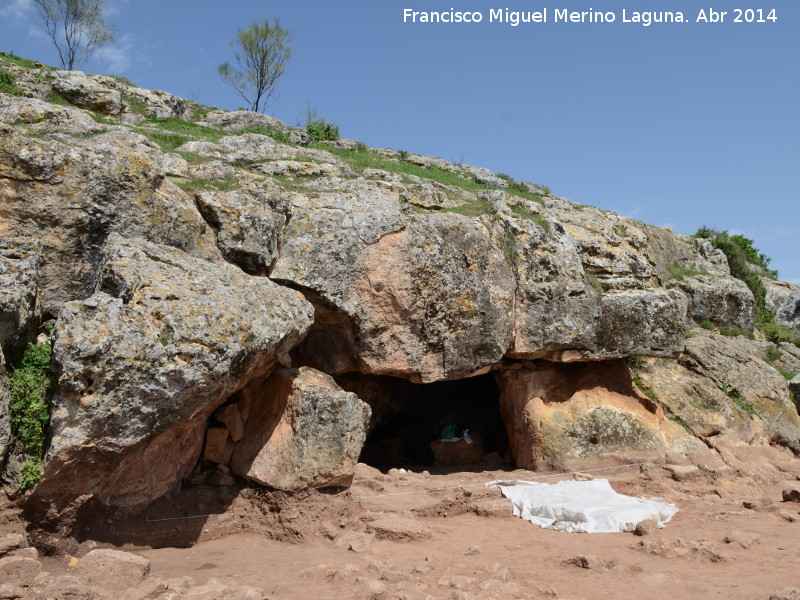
[389, 538]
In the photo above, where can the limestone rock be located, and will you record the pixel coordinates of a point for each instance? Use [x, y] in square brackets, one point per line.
[252, 149]
[9, 542]
[112, 569]
[87, 92]
[302, 431]
[42, 117]
[725, 301]
[5, 414]
[158, 104]
[563, 415]
[145, 361]
[19, 274]
[723, 385]
[248, 222]
[784, 299]
[239, 119]
[70, 198]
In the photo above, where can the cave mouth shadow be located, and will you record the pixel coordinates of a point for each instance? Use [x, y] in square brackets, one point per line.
[407, 417]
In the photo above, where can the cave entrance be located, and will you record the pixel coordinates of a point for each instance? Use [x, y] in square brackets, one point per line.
[407, 417]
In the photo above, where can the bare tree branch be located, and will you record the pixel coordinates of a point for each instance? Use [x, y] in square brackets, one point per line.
[261, 53]
[76, 28]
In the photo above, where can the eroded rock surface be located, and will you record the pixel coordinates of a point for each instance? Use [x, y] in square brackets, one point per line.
[302, 431]
[143, 362]
[19, 278]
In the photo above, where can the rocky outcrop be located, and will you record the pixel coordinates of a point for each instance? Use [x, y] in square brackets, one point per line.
[248, 223]
[183, 277]
[564, 415]
[143, 362]
[784, 300]
[5, 413]
[723, 385]
[19, 277]
[724, 301]
[302, 431]
[70, 198]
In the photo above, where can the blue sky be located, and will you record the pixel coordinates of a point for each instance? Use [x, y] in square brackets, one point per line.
[679, 125]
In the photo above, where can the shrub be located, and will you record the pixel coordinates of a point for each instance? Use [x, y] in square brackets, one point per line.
[707, 325]
[8, 84]
[30, 412]
[321, 130]
[742, 256]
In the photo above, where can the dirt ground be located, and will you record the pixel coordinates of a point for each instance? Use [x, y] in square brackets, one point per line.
[389, 538]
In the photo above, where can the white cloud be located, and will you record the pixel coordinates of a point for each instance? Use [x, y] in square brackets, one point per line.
[17, 10]
[117, 55]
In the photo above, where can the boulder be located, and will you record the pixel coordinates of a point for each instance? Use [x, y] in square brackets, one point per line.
[240, 119]
[43, 117]
[784, 300]
[19, 276]
[19, 570]
[248, 222]
[569, 415]
[70, 198]
[158, 104]
[112, 569]
[303, 431]
[144, 362]
[87, 92]
[725, 301]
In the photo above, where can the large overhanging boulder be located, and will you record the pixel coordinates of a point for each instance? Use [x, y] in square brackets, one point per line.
[143, 362]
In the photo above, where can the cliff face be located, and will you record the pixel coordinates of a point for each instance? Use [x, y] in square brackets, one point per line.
[208, 271]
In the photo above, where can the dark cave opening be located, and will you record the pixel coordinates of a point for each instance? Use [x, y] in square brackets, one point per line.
[408, 417]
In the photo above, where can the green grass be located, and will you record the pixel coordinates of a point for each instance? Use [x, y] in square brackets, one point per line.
[731, 331]
[679, 272]
[472, 209]
[524, 213]
[776, 332]
[645, 390]
[742, 403]
[30, 389]
[8, 83]
[223, 185]
[595, 282]
[59, 99]
[508, 243]
[25, 63]
[363, 158]
[194, 158]
[707, 325]
[276, 134]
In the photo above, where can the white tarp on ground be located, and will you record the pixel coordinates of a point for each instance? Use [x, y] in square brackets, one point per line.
[582, 506]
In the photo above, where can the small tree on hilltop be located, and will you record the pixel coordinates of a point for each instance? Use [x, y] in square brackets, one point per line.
[261, 53]
[76, 27]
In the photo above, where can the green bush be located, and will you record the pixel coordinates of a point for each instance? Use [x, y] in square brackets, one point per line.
[320, 130]
[30, 412]
[707, 325]
[8, 84]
